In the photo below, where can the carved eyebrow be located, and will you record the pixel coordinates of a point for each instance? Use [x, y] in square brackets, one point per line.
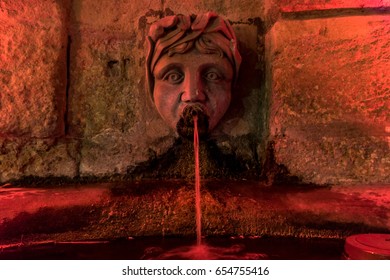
[159, 73]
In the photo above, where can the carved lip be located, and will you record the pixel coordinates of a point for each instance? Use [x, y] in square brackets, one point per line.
[185, 125]
[194, 108]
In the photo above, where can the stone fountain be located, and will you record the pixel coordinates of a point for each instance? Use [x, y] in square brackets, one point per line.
[307, 153]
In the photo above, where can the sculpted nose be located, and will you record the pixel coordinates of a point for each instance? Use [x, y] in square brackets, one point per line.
[193, 90]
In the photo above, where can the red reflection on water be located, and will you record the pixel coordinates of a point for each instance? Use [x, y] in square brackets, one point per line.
[206, 252]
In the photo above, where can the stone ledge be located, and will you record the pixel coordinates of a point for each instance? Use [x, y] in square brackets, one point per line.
[156, 208]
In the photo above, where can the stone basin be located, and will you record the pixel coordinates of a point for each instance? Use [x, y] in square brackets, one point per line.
[151, 213]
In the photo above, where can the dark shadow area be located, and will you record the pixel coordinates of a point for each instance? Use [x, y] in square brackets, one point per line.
[330, 13]
[178, 163]
[310, 221]
[276, 248]
[48, 220]
[277, 174]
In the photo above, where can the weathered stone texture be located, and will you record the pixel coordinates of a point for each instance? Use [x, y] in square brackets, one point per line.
[108, 106]
[32, 68]
[309, 5]
[33, 41]
[331, 98]
[234, 10]
[229, 208]
[112, 16]
[328, 86]
[37, 157]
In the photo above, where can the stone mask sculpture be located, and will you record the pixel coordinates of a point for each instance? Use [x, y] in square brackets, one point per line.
[192, 63]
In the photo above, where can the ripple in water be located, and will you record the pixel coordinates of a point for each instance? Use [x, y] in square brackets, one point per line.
[202, 252]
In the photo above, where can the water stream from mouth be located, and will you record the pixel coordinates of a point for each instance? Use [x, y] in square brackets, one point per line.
[198, 211]
[202, 251]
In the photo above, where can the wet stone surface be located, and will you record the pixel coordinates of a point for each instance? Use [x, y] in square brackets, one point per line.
[166, 209]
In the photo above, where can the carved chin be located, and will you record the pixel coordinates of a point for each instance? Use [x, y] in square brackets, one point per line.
[185, 125]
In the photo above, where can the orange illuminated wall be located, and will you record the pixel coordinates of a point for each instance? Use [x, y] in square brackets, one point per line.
[72, 99]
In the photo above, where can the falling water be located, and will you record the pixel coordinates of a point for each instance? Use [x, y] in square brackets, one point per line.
[197, 184]
[201, 251]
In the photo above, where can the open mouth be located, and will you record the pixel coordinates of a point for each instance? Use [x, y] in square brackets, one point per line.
[185, 125]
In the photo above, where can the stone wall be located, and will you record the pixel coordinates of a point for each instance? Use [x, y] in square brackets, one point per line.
[75, 104]
[33, 83]
[329, 76]
[312, 98]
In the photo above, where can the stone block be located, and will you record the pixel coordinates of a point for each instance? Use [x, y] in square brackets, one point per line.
[112, 152]
[37, 158]
[104, 76]
[331, 98]
[310, 5]
[234, 10]
[108, 106]
[116, 16]
[32, 68]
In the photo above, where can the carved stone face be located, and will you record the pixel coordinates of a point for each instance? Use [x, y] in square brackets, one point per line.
[191, 64]
[192, 79]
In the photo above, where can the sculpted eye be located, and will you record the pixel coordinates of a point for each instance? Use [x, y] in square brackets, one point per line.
[173, 77]
[212, 76]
